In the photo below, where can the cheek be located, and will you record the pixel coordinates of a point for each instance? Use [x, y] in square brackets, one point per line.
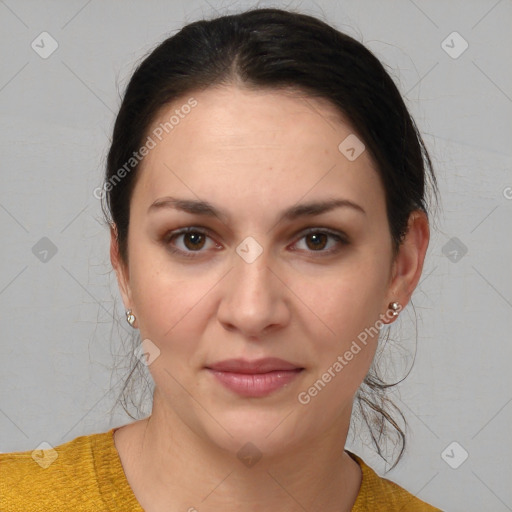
[343, 359]
[345, 332]
[165, 301]
[174, 309]
[165, 305]
[346, 303]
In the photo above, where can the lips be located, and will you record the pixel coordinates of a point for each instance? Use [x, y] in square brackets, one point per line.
[256, 378]
[269, 364]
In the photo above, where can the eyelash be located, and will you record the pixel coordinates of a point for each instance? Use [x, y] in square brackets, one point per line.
[339, 237]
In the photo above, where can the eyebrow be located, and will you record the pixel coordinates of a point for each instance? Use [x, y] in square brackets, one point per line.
[199, 207]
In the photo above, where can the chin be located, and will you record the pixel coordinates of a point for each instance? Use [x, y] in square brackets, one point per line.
[271, 431]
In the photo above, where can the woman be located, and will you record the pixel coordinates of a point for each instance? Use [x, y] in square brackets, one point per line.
[266, 192]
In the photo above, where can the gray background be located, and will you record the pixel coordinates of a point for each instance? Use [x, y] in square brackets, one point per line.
[62, 318]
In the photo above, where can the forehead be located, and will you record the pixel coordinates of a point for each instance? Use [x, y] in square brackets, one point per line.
[254, 144]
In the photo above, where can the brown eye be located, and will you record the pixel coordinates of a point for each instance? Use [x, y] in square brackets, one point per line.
[316, 241]
[190, 242]
[321, 241]
[193, 240]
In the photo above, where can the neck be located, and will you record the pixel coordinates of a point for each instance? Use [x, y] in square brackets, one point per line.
[178, 470]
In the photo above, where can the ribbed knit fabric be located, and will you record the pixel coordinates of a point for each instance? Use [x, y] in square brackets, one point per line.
[87, 476]
[383, 495]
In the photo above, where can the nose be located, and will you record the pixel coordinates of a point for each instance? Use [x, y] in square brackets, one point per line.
[254, 300]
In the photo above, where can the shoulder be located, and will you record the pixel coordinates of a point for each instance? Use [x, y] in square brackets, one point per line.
[63, 477]
[378, 493]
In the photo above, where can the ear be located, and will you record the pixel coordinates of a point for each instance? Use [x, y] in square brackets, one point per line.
[408, 263]
[121, 269]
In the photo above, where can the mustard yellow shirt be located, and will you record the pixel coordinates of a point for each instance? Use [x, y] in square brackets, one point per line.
[87, 476]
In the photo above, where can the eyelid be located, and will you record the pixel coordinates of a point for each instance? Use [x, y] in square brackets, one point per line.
[188, 229]
[328, 231]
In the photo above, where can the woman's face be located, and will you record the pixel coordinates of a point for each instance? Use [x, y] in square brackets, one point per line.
[272, 267]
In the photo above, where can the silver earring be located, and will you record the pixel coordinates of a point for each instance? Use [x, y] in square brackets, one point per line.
[130, 317]
[395, 308]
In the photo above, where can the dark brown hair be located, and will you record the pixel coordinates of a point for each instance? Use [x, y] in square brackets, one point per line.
[278, 49]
